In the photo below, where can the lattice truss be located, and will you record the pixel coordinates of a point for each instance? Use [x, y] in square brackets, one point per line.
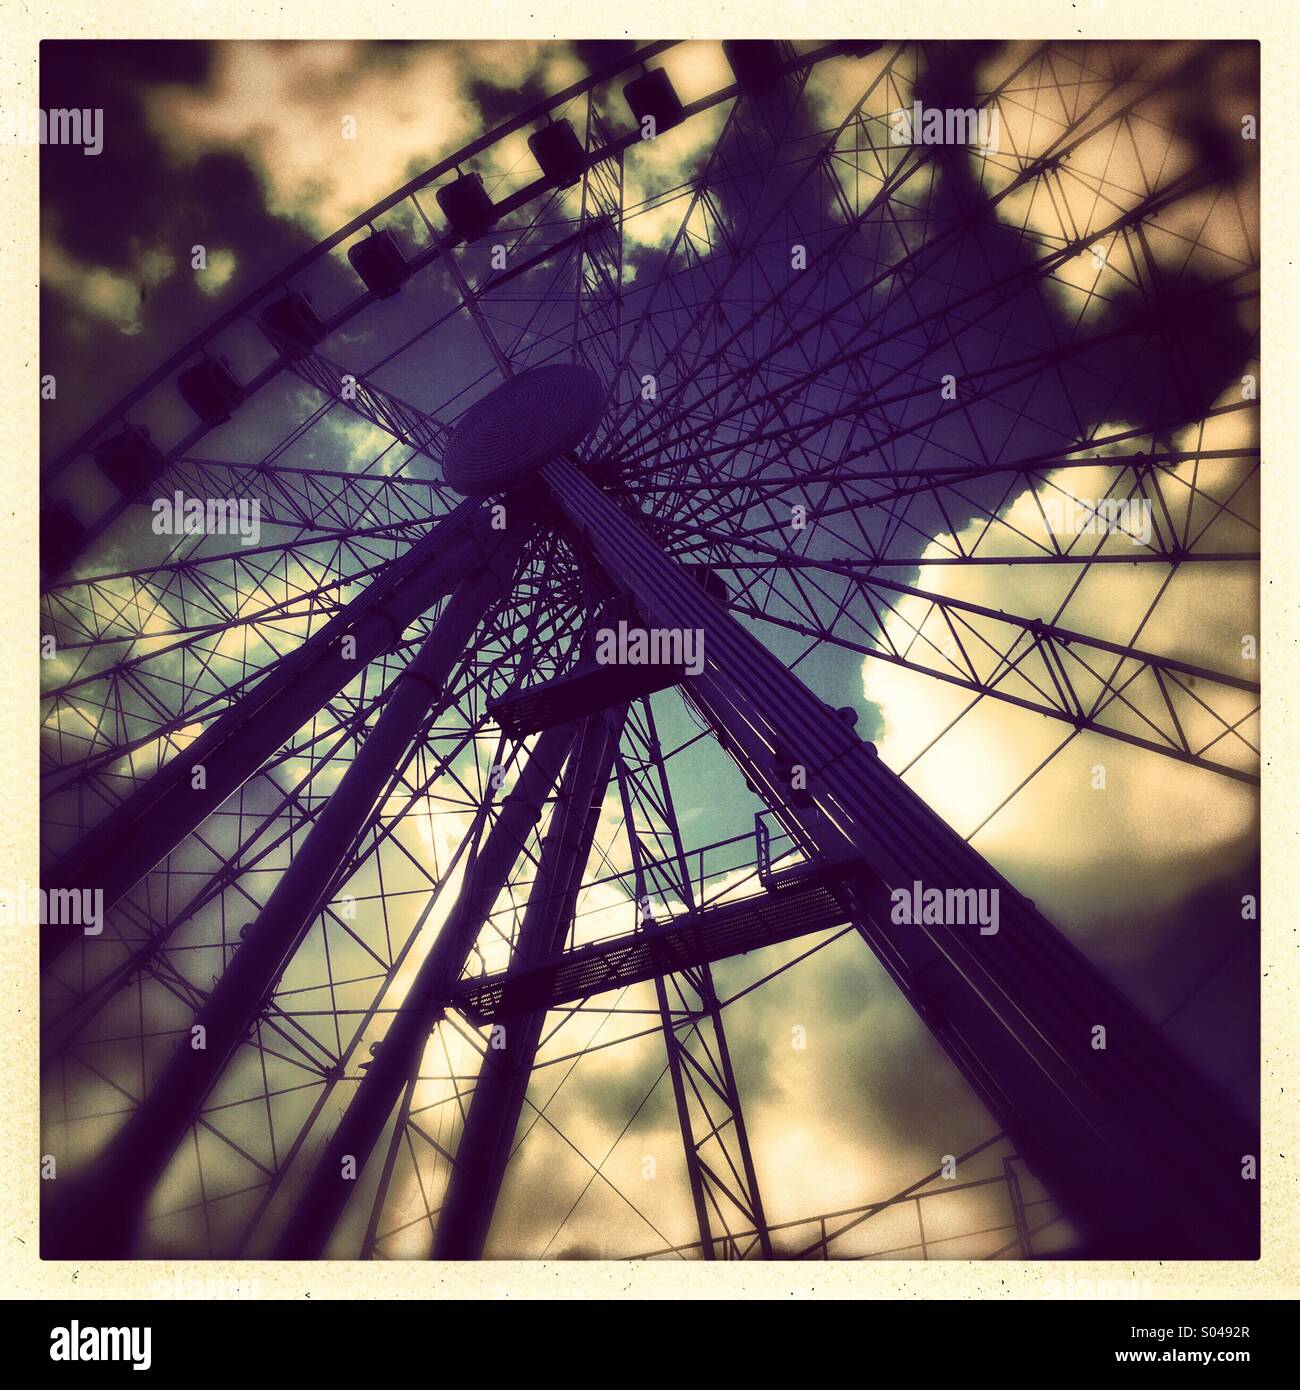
[776, 292]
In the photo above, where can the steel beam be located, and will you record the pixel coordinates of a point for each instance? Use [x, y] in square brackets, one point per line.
[729, 1186]
[712, 1062]
[852, 1218]
[498, 1099]
[417, 430]
[399, 1054]
[1143, 1152]
[99, 1215]
[815, 900]
[149, 824]
[398, 1057]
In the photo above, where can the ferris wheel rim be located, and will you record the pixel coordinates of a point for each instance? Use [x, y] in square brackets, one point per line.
[116, 413]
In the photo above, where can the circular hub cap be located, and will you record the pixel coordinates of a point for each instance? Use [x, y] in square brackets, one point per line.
[527, 421]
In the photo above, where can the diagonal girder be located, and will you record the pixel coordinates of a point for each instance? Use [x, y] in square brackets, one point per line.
[1103, 1128]
[715, 1136]
[398, 1057]
[498, 1099]
[1121, 691]
[99, 1215]
[143, 829]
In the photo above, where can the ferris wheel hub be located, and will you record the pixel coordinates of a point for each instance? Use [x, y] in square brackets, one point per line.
[505, 437]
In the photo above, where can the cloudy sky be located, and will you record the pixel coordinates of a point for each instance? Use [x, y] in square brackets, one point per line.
[258, 151]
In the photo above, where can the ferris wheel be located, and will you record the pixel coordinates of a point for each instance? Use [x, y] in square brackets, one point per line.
[457, 805]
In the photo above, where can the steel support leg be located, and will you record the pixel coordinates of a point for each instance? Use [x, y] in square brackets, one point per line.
[1144, 1154]
[736, 1188]
[684, 1122]
[327, 1191]
[117, 853]
[730, 1188]
[498, 1098]
[100, 1215]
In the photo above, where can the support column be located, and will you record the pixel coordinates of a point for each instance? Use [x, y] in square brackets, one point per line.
[693, 1174]
[99, 1215]
[736, 1191]
[498, 1099]
[115, 854]
[327, 1192]
[720, 1075]
[1144, 1154]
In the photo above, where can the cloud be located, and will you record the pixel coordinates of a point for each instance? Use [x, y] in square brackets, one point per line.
[1159, 828]
[331, 128]
[99, 292]
[220, 269]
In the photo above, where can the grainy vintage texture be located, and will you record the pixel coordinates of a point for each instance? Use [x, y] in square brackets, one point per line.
[536, 417]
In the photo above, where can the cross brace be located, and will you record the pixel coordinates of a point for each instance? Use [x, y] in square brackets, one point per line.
[812, 900]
